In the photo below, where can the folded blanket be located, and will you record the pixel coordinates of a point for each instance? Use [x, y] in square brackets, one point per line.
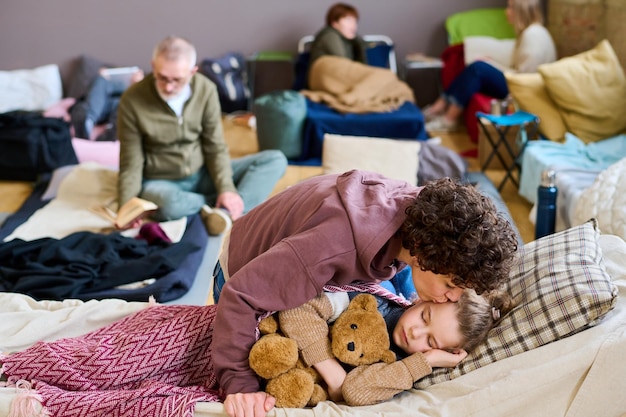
[351, 87]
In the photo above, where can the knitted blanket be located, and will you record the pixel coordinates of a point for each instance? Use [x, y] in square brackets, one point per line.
[351, 87]
[156, 362]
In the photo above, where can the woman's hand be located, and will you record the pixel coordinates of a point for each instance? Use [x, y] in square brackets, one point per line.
[438, 358]
[250, 404]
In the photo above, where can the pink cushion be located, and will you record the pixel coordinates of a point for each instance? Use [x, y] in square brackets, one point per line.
[106, 153]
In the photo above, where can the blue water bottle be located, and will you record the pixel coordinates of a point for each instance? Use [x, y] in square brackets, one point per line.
[546, 205]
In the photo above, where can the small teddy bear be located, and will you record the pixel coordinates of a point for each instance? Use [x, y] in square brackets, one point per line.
[358, 337]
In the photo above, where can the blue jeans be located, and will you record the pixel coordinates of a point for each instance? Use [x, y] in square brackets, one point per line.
[98, 106]
[254, 176]
[478, 77]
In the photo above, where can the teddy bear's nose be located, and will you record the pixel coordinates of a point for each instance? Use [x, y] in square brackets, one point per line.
[351, 346]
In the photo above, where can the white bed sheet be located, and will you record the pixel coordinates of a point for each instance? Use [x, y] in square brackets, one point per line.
[582, 375]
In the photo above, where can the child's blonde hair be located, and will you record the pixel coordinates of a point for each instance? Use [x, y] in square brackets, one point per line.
[477, 314]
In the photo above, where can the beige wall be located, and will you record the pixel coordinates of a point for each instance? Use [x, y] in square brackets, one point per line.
[578, 25]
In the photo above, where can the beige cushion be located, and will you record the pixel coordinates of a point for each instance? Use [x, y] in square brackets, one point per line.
[560, 287]
[393, 158]
[590, 90]
[530, 94]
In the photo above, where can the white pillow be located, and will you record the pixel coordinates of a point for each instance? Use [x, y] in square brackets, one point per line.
[605, 200]
[394, 158]
[30, 89]
[478, 48]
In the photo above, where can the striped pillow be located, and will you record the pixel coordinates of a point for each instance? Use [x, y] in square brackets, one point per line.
[560, 287]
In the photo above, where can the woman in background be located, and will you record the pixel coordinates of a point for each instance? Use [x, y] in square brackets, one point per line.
[533, 46]
[339, 36]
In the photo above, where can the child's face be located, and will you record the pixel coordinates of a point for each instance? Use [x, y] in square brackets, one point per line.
[427, 326]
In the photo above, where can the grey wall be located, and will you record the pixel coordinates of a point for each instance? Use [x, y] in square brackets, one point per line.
[123, 32]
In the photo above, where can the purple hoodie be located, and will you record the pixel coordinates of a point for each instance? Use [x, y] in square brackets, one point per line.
[330, 229]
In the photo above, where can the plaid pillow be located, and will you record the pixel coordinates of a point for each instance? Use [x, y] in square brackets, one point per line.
[560, 287]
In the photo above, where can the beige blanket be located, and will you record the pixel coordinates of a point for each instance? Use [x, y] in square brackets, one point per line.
[352, 87]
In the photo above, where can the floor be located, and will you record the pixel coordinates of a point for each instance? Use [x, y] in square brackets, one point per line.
[242, 141]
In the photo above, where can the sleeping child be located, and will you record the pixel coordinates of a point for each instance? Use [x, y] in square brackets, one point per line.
[424, 336]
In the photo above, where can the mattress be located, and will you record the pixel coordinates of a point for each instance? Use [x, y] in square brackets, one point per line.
[580, 375]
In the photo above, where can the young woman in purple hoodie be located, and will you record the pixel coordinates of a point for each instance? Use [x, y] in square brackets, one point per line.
[339, 229]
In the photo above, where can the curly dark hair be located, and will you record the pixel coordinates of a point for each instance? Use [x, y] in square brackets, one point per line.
[455, 230]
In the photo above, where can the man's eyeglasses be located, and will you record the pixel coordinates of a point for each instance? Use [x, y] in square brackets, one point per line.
[165, 80]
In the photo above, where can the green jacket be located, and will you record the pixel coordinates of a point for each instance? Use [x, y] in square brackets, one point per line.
[329, 41]
[156, 144]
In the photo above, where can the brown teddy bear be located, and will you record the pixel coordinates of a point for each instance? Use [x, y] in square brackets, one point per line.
[358, 337]
[274, 358]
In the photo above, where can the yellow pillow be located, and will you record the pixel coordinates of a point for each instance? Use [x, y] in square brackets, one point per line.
[590, 90]
[530, 94]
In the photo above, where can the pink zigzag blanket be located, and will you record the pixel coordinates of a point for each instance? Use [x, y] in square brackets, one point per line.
[156, 362]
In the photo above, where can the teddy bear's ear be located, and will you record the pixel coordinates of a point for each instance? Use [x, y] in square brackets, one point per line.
[268, 325]
[363, 301]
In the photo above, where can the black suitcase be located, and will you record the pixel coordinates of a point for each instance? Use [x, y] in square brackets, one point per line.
[31, 145]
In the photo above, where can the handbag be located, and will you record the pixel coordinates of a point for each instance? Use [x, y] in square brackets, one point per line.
[31, 145]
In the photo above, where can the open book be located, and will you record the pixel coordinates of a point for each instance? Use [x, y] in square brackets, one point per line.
[133, 209]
